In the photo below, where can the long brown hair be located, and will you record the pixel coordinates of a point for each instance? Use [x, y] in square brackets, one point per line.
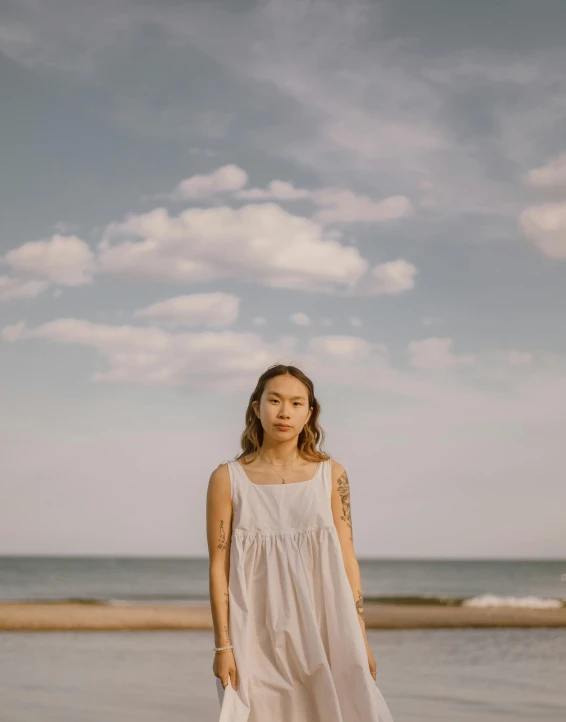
[311, 436]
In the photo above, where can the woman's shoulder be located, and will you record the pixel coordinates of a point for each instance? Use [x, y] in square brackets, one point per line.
[221, 471]
[337, 468]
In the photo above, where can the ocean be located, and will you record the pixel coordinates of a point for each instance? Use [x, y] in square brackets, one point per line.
[185, 580]
[456, 675]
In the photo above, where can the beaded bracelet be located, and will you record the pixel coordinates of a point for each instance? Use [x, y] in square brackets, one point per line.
[223, 649]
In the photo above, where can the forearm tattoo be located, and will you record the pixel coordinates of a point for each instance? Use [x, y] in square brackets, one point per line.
[226, 597]
[344, 491]
[360, 605]
[222, 538]
[226, 635]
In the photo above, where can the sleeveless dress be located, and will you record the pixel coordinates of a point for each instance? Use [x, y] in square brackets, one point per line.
[298, 645]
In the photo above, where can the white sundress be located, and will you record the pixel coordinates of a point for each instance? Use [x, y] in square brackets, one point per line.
[298, 645]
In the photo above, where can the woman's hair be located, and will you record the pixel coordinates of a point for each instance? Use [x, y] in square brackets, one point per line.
[311, 435]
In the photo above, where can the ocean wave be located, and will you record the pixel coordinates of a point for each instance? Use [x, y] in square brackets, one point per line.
[433, 600]
[492, 600]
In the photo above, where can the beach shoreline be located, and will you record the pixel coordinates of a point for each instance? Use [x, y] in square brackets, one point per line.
[74, 616]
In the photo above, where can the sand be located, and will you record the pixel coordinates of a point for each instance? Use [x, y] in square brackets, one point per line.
[54, 616]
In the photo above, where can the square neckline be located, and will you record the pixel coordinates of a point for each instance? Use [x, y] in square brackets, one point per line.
[293, 483]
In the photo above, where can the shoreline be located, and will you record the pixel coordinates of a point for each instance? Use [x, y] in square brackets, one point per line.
[73, 616]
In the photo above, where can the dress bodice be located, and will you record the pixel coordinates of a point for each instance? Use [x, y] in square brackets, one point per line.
[280, 508]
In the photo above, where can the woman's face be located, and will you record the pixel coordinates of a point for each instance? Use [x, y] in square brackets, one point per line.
[284, 401]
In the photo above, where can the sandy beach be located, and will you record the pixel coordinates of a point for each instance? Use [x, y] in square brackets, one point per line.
[56, 616]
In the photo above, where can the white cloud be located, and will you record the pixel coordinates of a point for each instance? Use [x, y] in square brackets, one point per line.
[222, 360]
[15, 289]
[230, 362]
[301, 319]
[13, 332]
[355, 321]
[436, 354]
[197, 309]
[259, 321]
[61, 260]
[545, 227]
[519, 358]
[339, 205]
[346, 207]
[389, 278]
[276, 190]
[255, 243]
[341, 347]
[551, 176]
[226, 179]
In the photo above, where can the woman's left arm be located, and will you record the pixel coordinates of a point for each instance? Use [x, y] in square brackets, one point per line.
[341, 511]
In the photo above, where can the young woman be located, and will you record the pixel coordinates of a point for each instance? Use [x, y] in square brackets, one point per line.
[285, 590]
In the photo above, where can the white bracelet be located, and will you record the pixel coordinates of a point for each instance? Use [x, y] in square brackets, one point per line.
[222, 649]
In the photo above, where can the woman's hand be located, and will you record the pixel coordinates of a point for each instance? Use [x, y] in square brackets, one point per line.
[371, 661]
[224, 668]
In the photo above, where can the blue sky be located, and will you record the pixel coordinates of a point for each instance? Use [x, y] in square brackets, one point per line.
[194, 191]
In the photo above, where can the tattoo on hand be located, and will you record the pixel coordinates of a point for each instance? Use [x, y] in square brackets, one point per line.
[344, 491]
[360, 605]
[222, 538]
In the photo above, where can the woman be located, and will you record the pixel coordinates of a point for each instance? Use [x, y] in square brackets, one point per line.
[285, 589]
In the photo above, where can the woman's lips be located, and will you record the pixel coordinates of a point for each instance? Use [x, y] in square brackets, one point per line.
[283, 427]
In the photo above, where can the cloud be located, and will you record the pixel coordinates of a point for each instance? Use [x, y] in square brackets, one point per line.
[347, 348]
[12, 333]
[225, 361]
[301, 319]
[352, 98]
[197, 309]
[256, 243]
[16, 289]
[436, 354]
[61, 260]
[347, 207]
[226, 179]
[551, 176]
[339, 205]
[544, 226]
[390, 279]
[277, 190]
[519, 358]
[221, 360]
[151, 356]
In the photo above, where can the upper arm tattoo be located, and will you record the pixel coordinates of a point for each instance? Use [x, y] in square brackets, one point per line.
[344, 491]
[360, 604]
[222, 537]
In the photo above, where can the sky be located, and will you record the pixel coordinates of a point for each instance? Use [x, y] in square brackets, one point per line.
[372, 191]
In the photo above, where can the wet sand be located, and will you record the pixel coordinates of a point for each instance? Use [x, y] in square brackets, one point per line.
[57, 616]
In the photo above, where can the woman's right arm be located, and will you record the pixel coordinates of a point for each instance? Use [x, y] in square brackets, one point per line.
[218, 532]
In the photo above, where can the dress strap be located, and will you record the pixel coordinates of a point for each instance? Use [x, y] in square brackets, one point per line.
[233, 473]
[327, 477]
